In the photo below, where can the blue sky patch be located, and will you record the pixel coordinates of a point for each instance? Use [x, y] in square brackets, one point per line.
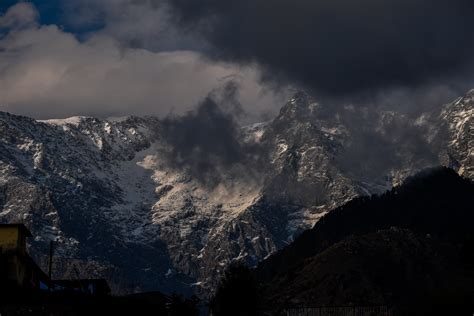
[54, 12]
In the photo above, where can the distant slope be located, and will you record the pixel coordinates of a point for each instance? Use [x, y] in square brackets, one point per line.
[407, 247]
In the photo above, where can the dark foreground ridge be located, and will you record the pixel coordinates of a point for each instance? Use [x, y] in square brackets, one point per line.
[29, 302]
[411, 249]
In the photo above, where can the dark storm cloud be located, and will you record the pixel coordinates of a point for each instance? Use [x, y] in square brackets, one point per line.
[203, 138]
[339, 47]
[227, 96]
[209, 143]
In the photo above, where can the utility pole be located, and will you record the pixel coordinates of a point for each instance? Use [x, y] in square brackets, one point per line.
[50, 272]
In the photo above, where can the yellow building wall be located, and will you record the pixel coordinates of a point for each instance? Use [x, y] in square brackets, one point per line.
[16, 267]
[9, 237]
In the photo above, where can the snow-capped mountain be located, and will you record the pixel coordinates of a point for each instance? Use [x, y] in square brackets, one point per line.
[106, 192]
[459, 116]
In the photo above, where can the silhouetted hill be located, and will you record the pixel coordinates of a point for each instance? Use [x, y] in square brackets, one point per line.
[16, 301]
[412, 246]
[435, 201]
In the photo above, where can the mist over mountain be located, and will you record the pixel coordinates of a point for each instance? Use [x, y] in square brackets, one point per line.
[168, 204]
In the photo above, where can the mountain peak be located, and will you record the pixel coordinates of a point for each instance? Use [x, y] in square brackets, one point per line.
[300, 107]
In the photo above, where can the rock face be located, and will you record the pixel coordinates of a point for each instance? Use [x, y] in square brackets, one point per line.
[459, 116]
[117, 208]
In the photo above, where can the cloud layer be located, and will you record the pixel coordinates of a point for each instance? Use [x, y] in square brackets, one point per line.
[159, 56]
[340, 47]
[46, 72]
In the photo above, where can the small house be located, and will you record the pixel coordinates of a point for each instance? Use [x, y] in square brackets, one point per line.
[17, 268]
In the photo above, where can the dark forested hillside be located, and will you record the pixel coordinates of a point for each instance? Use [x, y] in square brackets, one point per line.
[436, 201]
[411, 248]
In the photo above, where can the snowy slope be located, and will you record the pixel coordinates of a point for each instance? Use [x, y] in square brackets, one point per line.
[105, 192]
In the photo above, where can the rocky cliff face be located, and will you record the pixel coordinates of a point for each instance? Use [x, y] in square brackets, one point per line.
[459, 117]
[105, 192]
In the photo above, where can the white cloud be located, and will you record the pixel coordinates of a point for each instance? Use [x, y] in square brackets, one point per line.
[21, 15]
[135, 23]
[46, 72]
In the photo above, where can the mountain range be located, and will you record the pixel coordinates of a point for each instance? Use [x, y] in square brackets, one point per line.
[122, 200]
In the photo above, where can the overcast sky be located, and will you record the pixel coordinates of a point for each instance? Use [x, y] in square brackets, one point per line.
[105, 58]
[110, 58]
